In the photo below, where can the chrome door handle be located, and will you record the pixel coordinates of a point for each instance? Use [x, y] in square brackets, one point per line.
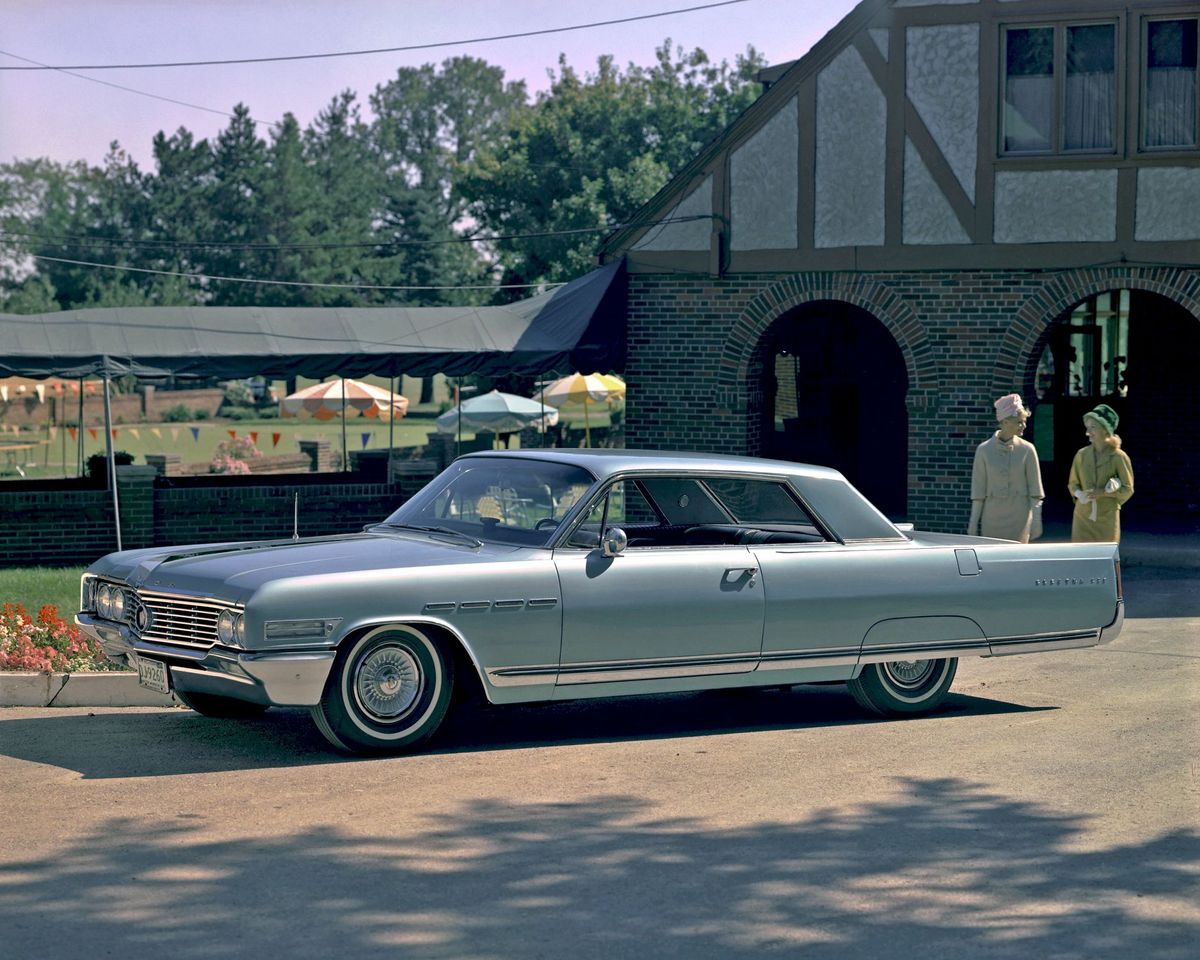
[737, 573]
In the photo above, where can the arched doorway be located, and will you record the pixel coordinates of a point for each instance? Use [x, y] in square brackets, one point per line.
[834, 385]
[1137, 352]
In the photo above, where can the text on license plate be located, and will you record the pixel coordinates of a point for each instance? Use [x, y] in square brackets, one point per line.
[153, 674]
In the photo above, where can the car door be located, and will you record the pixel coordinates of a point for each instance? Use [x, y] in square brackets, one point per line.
[662, 608]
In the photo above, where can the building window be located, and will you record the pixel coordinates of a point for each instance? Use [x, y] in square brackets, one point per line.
[1060, 89]
[1169, 85]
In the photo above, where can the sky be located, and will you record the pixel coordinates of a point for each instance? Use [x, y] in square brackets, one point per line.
[47, 113]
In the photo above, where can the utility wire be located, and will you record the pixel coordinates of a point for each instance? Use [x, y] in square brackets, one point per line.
[13, 237]
[360, 53]
[140, 93]
[291, 283]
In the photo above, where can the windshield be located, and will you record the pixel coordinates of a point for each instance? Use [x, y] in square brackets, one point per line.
[501, 499]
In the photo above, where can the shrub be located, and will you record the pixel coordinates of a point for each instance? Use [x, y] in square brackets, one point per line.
[177, 414]
[237, 394]
[231, 456]
[97, 463]
[48, 644]
[199, 414]
[240, 413]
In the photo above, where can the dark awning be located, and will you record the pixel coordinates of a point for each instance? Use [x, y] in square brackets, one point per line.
[579, 326]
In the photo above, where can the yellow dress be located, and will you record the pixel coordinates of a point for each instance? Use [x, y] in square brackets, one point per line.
[1007, 477]
[1091, 470]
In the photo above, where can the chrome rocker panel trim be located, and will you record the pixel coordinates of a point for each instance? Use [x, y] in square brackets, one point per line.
[279, 678]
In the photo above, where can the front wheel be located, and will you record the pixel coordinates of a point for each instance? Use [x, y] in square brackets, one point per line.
[388, 691]
[903, 687]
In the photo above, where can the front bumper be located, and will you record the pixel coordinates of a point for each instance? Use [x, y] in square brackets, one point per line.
[280, 678]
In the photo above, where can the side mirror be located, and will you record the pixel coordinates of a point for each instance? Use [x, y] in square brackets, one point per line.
[614, 541]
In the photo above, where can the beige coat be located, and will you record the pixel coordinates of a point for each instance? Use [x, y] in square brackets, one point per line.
[1008, 479]
[1091, 471]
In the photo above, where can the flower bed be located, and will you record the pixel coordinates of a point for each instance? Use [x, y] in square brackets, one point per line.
[47, 643]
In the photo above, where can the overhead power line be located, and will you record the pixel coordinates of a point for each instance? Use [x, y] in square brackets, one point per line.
[17, 236]
[292, 283]
[140, 93]
[360, 53]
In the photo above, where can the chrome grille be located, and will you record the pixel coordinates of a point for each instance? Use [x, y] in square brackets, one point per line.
[183, 620]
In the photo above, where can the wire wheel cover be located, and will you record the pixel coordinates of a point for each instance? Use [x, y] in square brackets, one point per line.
[909, 674]
[387, 682]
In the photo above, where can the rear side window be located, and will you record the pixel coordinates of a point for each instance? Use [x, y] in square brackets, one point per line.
[847, 512]
[683, 500]
[758, 501]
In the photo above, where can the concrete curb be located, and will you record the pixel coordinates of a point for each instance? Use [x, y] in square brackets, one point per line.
[111, 689]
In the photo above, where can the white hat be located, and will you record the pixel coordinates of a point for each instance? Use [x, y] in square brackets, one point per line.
[1010, 406]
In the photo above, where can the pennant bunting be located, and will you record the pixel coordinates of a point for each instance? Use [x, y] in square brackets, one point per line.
[366, 438]
[92, 431]
[73, 431]
[174, 433]
[232, 434]
[275, 439]
[137, 434]
[54, 433]
[115, 431]
[254, 437]
[157, 432]
[195, 433]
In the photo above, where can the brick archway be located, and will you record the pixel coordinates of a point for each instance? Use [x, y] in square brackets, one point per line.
[1017, 358]
[734, 373]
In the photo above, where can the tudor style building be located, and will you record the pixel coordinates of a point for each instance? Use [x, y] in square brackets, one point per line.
[944, 201]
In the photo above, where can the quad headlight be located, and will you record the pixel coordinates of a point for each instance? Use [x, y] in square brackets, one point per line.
[231, 627]
[110, 601]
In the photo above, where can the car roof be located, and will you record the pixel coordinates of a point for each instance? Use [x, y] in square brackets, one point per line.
[607, 462]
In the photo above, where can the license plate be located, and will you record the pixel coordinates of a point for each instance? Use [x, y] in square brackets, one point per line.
[154, 674]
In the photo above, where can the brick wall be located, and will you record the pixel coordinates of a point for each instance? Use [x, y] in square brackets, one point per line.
[70, 522]
[694, 370]
[130, 408]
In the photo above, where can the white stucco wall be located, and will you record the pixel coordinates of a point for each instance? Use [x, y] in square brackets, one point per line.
[1042, 206]
[928, 216]
[764, 184]
[942, 68]
[1168, 203]
[851, 127]
[692, 235]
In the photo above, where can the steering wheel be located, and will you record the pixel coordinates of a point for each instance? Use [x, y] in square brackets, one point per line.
[546, 523]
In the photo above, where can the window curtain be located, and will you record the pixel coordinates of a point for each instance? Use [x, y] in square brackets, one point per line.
[1091, 110]
[1028, 112]
[1170, 107]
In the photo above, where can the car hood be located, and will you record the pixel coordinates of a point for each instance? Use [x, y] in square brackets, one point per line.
[235, 570]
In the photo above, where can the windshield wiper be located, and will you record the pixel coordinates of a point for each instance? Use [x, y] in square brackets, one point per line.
[446, 531]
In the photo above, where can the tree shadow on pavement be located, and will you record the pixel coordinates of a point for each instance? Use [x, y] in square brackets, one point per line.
[943, 868]
[151, 743]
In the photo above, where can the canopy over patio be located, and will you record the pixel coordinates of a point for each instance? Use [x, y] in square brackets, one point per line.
[581, 325]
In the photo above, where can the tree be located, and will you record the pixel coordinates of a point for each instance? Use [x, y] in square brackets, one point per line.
[592, 150]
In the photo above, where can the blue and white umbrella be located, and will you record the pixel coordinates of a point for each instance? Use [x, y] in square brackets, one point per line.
[498, 412]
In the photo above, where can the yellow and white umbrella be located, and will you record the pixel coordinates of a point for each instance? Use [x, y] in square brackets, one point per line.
[335, 397]
[579, 389]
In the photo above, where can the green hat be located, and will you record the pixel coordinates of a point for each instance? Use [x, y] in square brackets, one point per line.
[1105, 415]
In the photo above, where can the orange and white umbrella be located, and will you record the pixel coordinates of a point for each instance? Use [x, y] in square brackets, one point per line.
[335, 398]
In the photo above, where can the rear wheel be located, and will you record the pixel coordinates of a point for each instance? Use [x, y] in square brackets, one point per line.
[903, 687]
[226, 708]
[388, 692]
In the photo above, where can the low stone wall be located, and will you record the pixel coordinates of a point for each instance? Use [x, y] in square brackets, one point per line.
[70, 522]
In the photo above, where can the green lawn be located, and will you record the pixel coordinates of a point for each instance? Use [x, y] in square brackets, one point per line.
[32, 587]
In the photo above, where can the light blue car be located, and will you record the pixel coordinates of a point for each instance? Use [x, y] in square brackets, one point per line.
[553, 574]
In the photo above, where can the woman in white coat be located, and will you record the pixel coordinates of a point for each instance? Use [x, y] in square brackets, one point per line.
[1006, 480]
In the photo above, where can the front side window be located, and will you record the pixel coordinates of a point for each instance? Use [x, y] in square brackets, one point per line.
[1060, 88]
[1169, 84]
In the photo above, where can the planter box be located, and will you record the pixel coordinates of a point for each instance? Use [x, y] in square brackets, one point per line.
[111, 689]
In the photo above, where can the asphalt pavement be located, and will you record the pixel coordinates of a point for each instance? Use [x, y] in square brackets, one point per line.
[1051, 809]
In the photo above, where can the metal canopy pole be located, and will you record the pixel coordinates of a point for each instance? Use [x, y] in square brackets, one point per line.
[79, 433]
[345, 450]
[391, 419]
[112, 463]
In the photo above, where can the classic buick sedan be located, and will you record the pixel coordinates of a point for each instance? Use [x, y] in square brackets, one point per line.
[550, 575]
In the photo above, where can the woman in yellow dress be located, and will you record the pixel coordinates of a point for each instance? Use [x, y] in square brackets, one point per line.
[1006, 479]
[1101, 480]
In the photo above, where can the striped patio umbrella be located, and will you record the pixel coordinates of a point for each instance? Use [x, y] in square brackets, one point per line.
[580, 390]
[334, 398]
